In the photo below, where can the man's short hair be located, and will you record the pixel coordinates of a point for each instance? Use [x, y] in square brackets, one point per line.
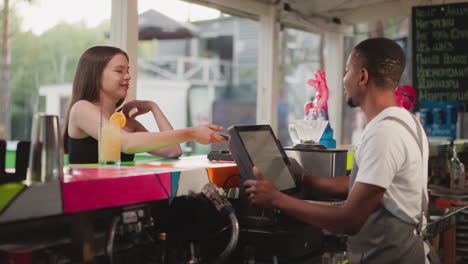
[383, 58]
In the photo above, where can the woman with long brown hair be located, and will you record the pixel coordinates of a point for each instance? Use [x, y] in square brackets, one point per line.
[99, 88]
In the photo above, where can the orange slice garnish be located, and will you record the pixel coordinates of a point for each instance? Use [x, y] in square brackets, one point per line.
[118, 119]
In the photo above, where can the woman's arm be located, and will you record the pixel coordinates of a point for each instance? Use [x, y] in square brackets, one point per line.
[85, 118]
[143, 107]
[168, 152]
[147, 141]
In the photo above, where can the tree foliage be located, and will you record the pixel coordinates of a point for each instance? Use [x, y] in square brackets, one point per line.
[49, 58]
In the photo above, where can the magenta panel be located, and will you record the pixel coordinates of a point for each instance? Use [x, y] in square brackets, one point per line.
[94, 188]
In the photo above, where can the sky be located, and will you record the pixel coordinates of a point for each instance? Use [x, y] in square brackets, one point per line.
[44, 14]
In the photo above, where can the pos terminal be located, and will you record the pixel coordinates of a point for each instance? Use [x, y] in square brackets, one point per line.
[256, 145]
[266, 231]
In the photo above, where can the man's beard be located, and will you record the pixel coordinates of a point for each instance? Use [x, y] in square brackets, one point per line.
[350, 103]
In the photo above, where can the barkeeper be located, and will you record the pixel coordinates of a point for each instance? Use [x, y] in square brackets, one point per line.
[386, 192]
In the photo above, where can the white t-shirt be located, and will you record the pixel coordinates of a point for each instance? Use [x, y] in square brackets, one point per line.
[389, 157]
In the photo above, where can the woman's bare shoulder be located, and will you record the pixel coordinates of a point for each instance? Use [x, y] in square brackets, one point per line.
[83, 107]
[83, 103]
[84, 120]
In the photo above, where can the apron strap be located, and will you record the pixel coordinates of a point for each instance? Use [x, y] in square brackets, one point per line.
[418, 139]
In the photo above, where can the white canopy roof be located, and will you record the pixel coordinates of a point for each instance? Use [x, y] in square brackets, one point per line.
[324, 14]
[356, 11]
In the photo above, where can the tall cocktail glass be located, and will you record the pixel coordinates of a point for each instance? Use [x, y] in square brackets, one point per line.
[109, 144]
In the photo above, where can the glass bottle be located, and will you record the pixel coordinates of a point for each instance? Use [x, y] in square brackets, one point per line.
[456, 169]
[446, 179]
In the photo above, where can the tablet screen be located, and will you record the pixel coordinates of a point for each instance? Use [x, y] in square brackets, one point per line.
[264, 151]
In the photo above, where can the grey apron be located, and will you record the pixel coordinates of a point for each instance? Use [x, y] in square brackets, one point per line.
[385, 238]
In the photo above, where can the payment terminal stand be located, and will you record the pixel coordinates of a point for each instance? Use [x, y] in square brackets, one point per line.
[265, 233]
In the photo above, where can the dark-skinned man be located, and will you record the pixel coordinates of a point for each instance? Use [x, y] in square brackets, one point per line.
[387, 189]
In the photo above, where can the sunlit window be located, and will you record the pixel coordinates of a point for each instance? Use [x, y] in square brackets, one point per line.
[44, 49]
[198, 64]
[300, 59]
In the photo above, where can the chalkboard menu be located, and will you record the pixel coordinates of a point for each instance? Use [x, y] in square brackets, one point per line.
[440, 53]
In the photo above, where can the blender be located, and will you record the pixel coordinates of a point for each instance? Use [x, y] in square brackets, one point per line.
[312, 158]
[315, 159]
[306, 134]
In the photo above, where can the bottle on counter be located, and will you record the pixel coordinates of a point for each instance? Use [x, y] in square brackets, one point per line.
[456, 169]
[443, 171]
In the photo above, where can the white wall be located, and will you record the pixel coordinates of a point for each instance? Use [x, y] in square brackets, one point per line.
[171, 96]
[53, 93]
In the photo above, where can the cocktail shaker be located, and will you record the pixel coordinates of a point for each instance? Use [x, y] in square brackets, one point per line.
[46, 154]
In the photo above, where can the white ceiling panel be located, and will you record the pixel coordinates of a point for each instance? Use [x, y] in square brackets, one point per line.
[324, 15]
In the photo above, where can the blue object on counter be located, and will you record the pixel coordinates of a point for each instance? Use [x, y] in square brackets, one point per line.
[327, 138]
[439, 118]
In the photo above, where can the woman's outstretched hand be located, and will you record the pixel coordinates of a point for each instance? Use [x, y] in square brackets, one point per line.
[142, 107]
[207, 134]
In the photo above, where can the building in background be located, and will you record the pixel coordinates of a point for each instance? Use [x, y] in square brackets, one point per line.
[207, 72]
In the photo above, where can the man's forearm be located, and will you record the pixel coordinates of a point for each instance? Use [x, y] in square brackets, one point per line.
[336, 186]
[335, 219]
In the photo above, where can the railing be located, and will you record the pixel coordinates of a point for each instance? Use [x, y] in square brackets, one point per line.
[196, 70]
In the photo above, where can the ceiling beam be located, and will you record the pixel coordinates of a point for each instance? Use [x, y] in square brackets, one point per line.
[372, 12]
[243, 8]
[313, 24]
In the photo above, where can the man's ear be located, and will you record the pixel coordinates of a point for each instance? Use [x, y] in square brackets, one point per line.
[364, 78]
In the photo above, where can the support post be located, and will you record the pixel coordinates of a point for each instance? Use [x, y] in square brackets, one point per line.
[124, 34]
[268, 68]
[334, 59]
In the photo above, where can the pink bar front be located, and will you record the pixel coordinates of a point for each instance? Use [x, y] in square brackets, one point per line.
[94, 188]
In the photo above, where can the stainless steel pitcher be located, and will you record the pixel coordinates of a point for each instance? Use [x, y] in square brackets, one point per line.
[46, 154]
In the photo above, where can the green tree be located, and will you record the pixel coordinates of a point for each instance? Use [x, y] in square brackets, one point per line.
[62, 46]
[5, 91]
[5, 70]
[49, 58]
[24, 82]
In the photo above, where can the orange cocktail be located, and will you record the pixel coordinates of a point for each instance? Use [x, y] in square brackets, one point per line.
[109, 144]
[109, 139]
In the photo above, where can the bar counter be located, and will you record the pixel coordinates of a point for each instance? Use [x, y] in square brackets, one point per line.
[92, 187]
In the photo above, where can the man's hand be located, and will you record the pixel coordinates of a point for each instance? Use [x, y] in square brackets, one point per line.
[261, 192]
[142, 107]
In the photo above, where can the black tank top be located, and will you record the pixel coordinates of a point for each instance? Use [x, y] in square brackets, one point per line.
[85, 151]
